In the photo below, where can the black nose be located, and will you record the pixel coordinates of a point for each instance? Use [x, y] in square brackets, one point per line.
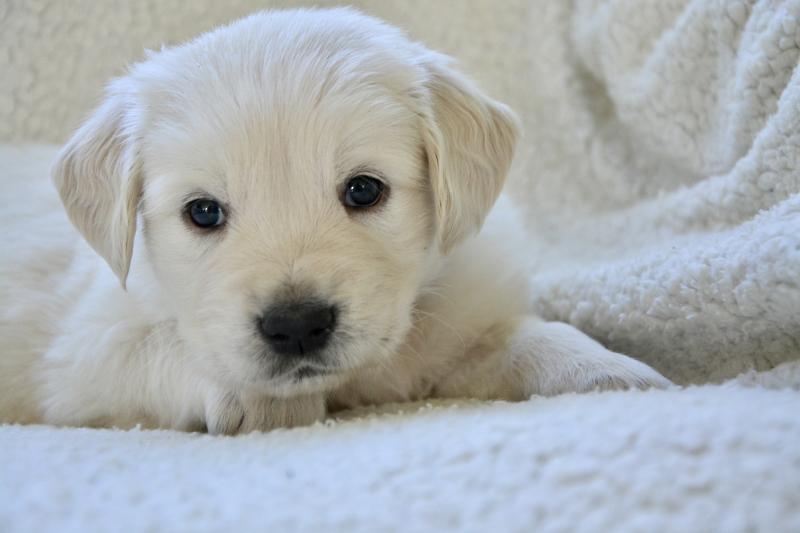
[298, 328]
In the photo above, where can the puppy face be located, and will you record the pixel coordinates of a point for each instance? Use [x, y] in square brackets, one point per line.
[297, 176]
[285, 159]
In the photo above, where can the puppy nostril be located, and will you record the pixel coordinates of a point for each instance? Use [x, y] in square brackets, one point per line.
[316, 332]
[279, 337]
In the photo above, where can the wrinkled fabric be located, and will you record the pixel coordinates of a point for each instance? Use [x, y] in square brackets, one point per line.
[661, 180]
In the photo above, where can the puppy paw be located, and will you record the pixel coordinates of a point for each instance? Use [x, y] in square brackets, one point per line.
[224, 414]
[229, 414]
[262, 413]
[613, 371]
[556, 358]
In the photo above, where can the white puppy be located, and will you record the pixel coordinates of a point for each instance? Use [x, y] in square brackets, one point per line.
[284, 204]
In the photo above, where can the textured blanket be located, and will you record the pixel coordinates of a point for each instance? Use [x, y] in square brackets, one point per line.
[717, 457]
[662, 179]
[703, 459]
[660, 182]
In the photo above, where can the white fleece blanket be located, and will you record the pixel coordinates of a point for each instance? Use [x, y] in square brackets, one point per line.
[660, 180]
[712, 458]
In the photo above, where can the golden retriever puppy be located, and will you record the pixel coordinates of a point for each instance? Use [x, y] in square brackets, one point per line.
[288, 207]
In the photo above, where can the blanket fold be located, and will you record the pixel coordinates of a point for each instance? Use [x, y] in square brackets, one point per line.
[674, 234]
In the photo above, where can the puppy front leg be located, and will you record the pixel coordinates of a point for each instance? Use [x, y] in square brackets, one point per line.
[159, 389]
[106, 385]
[533, 357]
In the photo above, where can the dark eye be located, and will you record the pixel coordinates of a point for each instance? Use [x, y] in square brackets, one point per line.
[206, 213]
[363, 191]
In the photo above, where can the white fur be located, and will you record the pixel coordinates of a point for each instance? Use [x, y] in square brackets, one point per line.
[271, 115]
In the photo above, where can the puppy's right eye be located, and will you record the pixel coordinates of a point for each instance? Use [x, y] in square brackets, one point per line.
[363, 191]
[205, 213]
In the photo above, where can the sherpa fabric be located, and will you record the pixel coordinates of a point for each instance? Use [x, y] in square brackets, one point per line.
[662, 179]
[659, 179]
[712, 458]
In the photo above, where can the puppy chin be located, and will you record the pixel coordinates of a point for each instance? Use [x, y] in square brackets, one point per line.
[301, 382]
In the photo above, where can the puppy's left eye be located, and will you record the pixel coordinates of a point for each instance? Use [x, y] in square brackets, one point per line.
[205, 213]
[363, 191]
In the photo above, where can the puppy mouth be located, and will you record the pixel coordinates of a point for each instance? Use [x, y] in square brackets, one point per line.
[300, 370]
[306, 378]
[305, 372]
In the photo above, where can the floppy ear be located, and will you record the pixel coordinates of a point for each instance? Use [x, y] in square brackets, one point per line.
[469, 141]
[98, 177]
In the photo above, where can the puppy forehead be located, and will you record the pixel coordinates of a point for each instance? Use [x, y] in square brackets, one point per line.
[324, 145]
[316, 102]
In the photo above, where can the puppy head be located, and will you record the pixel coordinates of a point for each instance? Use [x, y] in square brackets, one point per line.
[296, 176]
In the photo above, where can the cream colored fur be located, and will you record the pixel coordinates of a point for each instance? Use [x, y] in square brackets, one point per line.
[271, 116]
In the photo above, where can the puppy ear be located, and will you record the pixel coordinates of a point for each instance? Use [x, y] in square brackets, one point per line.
[470, 141]
[98, 177]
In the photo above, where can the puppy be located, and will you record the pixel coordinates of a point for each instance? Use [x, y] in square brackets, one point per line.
[287, 206]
